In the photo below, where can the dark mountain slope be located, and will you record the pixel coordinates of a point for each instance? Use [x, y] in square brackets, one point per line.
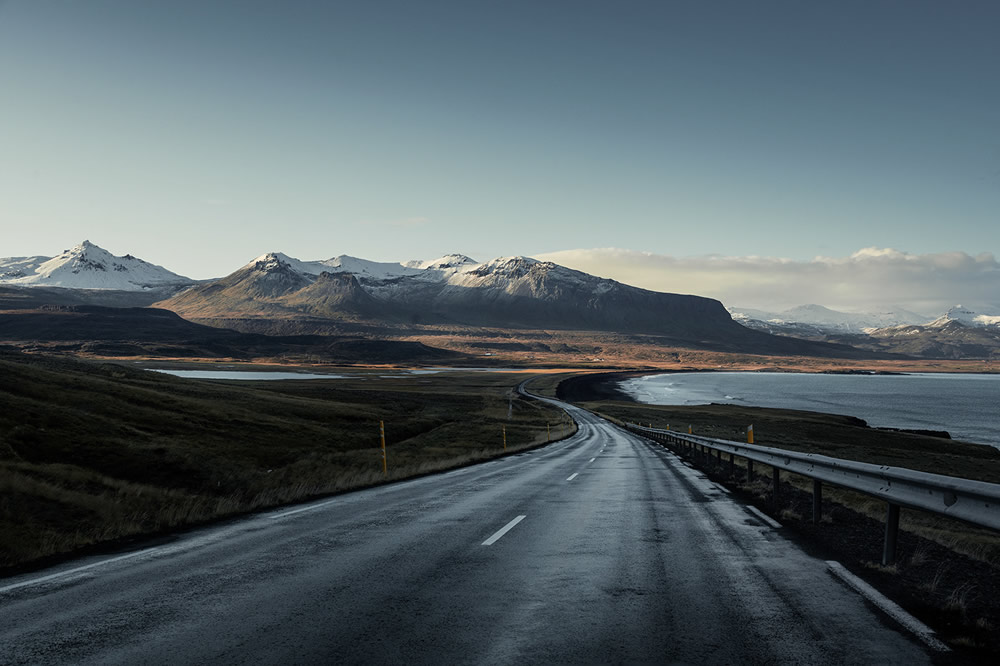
[156, 332]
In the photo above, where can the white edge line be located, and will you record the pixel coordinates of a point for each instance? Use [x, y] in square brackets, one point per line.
[69, 572]
[721, 488]
[763, 516]
[593, 459]
[910, 623]
[503, 530]
[311, 507]
[572, 476]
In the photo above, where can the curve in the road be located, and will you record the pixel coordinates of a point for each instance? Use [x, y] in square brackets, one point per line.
[599, 548]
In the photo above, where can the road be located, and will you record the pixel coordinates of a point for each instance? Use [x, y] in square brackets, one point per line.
[614, 552]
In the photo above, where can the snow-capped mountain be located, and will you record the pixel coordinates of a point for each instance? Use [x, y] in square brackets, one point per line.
[508, 292]
[87, 266]
[821, 319]
[966, 317]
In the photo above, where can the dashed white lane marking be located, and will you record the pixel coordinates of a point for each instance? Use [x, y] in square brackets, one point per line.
[910, 623]
[572, 476]
[763, 516]
[592, 459]
[503, 530]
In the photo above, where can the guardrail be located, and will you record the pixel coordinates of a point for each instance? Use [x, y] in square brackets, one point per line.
[975, 502]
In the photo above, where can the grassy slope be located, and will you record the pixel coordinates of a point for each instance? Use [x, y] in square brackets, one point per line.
[95, 452]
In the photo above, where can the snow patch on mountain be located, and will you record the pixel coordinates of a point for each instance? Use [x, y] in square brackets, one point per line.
[449, 262]
[362, 268]
[370, 271]
[14, 268]
[87, 266]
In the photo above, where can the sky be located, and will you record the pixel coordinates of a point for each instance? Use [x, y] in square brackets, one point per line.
[199, 135]
[872, 280]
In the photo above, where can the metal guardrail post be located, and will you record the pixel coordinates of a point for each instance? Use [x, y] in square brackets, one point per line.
[732, 465]
[891, 532]
[775, 484]
[817, 500]
[749, 470]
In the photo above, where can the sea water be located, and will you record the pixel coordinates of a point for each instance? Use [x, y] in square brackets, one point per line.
[967, 406]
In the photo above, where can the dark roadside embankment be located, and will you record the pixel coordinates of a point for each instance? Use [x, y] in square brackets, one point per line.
[947, 573]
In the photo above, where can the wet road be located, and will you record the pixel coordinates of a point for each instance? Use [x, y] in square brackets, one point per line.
[614, 551]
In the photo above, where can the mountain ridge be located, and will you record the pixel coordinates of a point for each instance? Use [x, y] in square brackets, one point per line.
[454, 291]
[507, 290]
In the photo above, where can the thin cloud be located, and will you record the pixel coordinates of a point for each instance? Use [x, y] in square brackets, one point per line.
[870, 279]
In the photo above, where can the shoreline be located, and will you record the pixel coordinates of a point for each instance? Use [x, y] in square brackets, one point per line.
[606, 386]
[597, 386]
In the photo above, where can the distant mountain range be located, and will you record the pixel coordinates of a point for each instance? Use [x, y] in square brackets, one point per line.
[279, 294]
[833, 321]
[825, 319]
[959, 333]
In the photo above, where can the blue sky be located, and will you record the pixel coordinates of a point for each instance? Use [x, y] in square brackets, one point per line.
[198, 135]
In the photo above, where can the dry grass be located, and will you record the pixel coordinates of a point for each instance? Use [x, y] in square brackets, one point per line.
[958, 599]
[919, 557]
[878, 566]
[788, 513]
[96, 452]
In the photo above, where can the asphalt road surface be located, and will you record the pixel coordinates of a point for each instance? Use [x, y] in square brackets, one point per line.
[603, 548]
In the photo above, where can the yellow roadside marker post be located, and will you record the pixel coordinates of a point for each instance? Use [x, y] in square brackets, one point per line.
[385, 465]
[690, 431]
[504, 429]
[750, 434]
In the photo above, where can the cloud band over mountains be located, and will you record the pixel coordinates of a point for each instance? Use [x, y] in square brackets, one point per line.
[870, 279]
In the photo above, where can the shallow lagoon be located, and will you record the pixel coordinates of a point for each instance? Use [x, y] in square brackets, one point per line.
[245, 374]
[279, 374]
